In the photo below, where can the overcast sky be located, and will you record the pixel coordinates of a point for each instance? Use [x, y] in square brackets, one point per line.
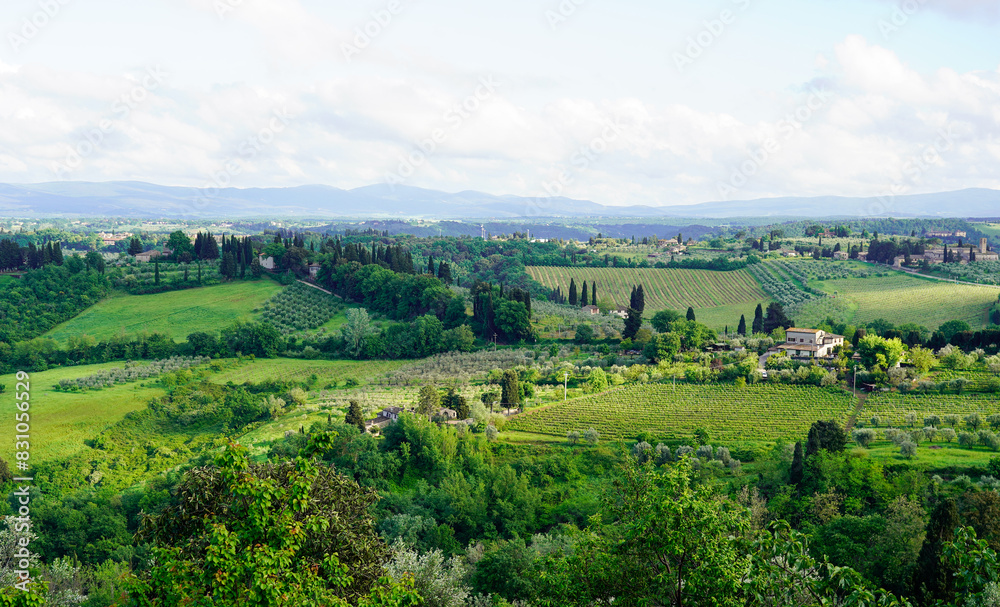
[623, 102]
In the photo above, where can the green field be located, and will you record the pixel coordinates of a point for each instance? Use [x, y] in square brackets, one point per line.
[718, 298]
[175, 313]
[892, 407]
[752, 413]
[295, 369]
[900, 298]
[61, 421]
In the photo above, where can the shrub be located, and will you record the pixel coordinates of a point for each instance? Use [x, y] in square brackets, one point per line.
[908, 449]
[863, 436]
[967, 439]
[591, 436]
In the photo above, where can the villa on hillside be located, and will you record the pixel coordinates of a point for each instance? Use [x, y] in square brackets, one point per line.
[810, 343]
[592, 309]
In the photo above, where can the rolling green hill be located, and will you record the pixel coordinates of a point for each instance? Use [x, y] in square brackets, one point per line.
[176, 313]
[718, 298]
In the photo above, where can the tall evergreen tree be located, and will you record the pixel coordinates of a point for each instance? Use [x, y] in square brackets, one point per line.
[444, 272]
[633, 322]
[758, 320]
[690, 314]
[742, 328]
[430, 265]
[572, 292]
[933, 580]
[135, 247]
[355, 417]
[584, 299]
[593, 293]
[796, 472]
[510, 395]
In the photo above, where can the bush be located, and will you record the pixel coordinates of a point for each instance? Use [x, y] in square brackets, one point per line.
[967, 439]
[908, 449]
[863, 436]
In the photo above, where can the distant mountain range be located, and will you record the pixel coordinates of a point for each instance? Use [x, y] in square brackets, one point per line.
[146, 200]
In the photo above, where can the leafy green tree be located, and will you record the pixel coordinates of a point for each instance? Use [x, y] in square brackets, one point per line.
[513, 320]
[134, 246]
[953, 327]
[258, 338]
[241, 534]
[923, 359]
[880, 353]
[428, 401]
[828, 435]
[663, 320]
[179, 243]
[355, 331]
[256, 270]
[94, 261]
[584, 333]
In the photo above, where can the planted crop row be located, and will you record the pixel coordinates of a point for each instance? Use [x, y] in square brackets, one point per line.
[786, 292]
[761, 412]
[893, 407]
[299, 308]
[665, 288]
[130, 372]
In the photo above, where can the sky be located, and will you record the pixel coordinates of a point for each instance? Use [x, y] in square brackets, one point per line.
[624, 102]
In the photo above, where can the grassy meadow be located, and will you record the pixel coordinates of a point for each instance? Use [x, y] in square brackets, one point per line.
[175, 313]
[902, 298]
[61, 421]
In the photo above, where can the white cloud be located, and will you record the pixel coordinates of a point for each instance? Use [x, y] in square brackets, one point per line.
[350, 130]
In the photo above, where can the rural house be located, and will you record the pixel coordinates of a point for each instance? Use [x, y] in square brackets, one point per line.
[810, 343]
[147, 256]
[592, 309]
[314, 269]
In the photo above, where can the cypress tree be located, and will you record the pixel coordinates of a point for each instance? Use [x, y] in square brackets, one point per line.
[758, 320]
[796, 471]
[593, 293]
[584, 299]
[690, 314]
[932, 580]
[430, 265]
[572, 292]
[355, 417]
[742, 328]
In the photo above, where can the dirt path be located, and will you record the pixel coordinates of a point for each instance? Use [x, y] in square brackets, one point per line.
[309, 284]
[862, 397]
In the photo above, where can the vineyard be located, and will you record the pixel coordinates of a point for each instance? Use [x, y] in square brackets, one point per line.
[900, 298]
[715, 296]
[780, 283]
[752, 413]
[983, 272]
[892, 407]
